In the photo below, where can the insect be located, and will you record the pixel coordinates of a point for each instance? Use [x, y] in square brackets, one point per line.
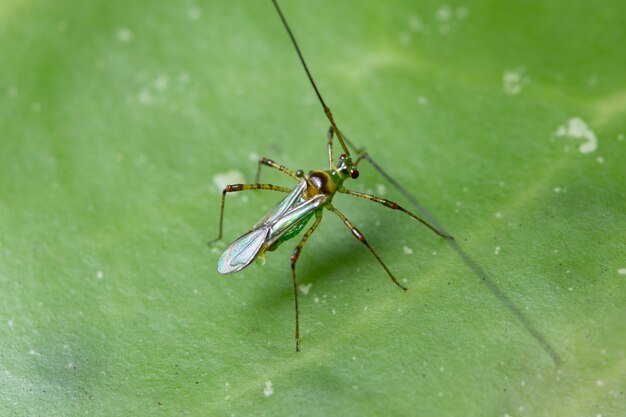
[310, 198]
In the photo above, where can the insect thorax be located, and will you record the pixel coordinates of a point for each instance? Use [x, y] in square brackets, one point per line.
[323, 182]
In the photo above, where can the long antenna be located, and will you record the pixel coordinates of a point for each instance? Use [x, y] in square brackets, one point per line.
[308, 73]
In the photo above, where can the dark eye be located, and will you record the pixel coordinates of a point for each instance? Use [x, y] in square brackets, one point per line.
[342, 157]
[354, 174]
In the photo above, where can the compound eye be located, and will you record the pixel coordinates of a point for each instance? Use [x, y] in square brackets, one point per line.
[299, 173]
[354, 174]
[342, 157]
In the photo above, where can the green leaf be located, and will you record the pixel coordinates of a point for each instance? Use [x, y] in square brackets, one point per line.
[119, 118]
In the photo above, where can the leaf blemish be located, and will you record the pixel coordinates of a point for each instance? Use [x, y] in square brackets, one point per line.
[577, 128]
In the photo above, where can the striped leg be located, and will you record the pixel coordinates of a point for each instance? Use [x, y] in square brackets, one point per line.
[243, 187]
[360, 236]
[396, 206]
[281, 168]
[294, 258]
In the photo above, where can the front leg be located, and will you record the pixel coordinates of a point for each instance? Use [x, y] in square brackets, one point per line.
[269, 163]
[243, 187]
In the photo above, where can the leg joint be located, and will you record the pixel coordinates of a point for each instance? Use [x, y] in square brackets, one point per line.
[390, 204]
[294, 256]
[358, 234]
[232, 187]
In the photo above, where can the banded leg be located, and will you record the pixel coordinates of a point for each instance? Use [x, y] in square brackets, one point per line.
[360, 236]
[243, 187]
[396, 206]
[330, 135]
[281, 168]
[294, 258]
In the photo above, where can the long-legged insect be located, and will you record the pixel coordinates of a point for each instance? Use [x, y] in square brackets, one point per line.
[309, 198]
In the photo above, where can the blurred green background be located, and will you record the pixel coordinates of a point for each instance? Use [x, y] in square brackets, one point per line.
[120, 120]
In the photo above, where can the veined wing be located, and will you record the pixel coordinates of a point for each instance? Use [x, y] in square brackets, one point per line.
[291, 218]
[283, 205]
[245, 249]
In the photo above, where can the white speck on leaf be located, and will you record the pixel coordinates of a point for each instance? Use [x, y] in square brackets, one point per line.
[513, 81]
[497, 251]
[316, 300]
[599, 383]
[161, 82]
[577, 128]
[99, 275]
[194, 13]
[380, 189]
[268, 390]
[124, 35]
[422, 100]
[444, 13]
[498, 215]
[600, 160]
[407, 250]
[621, 271]
[304, 288]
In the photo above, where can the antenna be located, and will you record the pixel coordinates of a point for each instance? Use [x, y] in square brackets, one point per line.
[329, 115]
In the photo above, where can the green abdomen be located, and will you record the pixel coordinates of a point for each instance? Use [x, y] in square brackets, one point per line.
[297, 228]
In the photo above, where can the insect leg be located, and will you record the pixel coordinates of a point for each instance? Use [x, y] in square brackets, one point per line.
[360, 237]
[294, 258]
[330, 135]
[272, 164]
[396, 206]
[243, 187]
[401, 189]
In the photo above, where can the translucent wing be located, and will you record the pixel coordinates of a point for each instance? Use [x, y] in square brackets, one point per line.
[283, 205]
[243, 251]
[286, 215]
